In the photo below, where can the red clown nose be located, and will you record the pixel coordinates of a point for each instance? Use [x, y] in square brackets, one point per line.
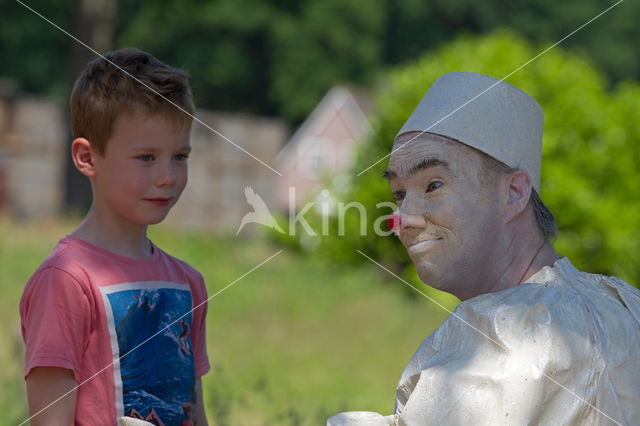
[394, 222]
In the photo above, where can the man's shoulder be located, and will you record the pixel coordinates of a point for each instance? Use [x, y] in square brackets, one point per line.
[529, 318]
[519, 306]
[558, 286]
[559, 301]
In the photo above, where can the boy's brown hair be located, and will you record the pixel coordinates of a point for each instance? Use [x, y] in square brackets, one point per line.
[103, 92]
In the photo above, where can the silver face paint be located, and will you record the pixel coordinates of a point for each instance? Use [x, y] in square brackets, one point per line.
[450, 218]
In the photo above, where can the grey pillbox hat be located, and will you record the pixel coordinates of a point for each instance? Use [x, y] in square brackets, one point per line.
[485, 113]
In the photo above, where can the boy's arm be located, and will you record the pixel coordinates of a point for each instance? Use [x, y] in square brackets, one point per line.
[201, 415]
[45, 385]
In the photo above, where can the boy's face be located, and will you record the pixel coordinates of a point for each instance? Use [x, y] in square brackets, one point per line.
[143, 170]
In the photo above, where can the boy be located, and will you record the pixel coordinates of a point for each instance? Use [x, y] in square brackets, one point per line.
[108, 316]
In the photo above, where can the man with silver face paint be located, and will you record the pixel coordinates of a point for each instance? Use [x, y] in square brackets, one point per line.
[534, 341]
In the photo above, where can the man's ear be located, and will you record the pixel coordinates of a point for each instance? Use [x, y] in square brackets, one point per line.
[83, 157]
[518, 193]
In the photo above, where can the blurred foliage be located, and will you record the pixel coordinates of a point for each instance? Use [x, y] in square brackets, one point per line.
[257, 56]
[31, 50]
[590, 162]
[279, 57]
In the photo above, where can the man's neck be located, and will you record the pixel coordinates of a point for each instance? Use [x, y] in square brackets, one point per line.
[546, 257]
[521, 261]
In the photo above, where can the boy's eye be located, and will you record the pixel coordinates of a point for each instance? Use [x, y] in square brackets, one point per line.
[433, 186]
[145, 157]
[181, 157]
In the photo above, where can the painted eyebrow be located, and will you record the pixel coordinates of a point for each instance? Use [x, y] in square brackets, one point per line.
[422, 165]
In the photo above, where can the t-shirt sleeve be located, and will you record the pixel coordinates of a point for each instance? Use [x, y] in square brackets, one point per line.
[198, 330]
[55, 320]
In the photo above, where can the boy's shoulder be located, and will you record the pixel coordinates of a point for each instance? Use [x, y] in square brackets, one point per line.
[179, 263]
[93, 266]
[60, 273]
[64, 256]
[192, 275]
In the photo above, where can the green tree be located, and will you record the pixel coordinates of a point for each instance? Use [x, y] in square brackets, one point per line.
[325, 43]
[590, 152]
[261, 57]
[414, 26]
[31, 50]
[223, 44]
[279, 57]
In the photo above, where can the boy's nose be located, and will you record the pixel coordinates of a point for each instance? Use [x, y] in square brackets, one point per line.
[167, 175]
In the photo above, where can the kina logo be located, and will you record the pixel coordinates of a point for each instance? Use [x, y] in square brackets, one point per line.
[260, 213]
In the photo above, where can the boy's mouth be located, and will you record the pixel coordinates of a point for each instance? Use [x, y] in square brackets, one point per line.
[159, 201]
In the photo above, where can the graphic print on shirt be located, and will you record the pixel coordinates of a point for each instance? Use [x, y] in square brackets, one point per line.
[154, 381]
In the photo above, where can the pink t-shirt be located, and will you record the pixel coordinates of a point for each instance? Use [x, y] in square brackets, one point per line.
[124, 326]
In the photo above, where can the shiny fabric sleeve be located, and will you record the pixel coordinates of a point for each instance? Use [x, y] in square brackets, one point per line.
[498, 363]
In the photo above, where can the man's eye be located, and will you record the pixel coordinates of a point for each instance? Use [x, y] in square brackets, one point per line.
[433, 186]
[398, 195]
[145, 157]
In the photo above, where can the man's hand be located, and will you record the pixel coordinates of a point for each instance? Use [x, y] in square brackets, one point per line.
[45, 385]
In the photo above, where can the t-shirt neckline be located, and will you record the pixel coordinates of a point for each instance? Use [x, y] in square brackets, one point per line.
[155, 255]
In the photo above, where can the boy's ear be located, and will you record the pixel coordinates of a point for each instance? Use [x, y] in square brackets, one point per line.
[83, 157]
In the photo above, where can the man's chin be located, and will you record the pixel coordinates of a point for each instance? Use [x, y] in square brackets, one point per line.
[429, 277]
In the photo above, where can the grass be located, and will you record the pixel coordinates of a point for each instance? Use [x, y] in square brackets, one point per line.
[292, 343]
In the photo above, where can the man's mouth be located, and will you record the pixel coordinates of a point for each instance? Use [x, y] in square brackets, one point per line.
[422, 244]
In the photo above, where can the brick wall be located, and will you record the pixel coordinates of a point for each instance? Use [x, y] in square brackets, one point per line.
[32, 153]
